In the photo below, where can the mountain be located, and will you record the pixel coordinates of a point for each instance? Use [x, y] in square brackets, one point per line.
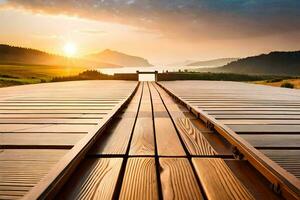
[118, 58]
[26, 56]
[213, 63]
[275, 63]
[179, 63]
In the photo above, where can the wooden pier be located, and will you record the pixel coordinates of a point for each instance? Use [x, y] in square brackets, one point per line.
[147, 140]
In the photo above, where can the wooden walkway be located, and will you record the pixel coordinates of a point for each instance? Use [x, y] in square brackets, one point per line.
[264, 117]
[152, 147]
[40, 124]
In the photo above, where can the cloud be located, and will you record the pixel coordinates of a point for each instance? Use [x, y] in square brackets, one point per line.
[183, 19]
[90, 31]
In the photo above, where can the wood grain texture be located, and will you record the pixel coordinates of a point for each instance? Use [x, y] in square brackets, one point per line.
[218, 180]
[116, 139]
[168, 143]
[266, 128]
[195, 142]
[261, 121]
[288, 159]
[139, 180]
[38, 139]
[249, 109]
[273, 140]
[256, 184]
[21, 169]
[36, 128]
[50, 121]
[178, 180]
[143, 138]
[94, 179]
[54, 116]
[256, 116]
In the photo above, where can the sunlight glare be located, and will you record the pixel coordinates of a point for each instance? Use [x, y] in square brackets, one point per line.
[70, 49]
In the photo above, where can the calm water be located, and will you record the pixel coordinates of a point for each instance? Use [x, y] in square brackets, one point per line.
[111, 71]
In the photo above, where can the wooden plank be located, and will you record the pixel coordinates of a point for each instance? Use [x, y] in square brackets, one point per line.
[145, 107]
[268, 107]
[256, 116]
[251, 109]
[35, 139]
[288, 159]
[217, 141]
[253, 112]
[166, 135]
[57, 176]
[215, 175]
[255, 183]
[139, 180]
[143, 138]
[37, 128]
[21, 169]
[2, 108]
[195, 142]
[95, 179]
[51, 121]
[33, 101]
[51, 116]
[260, 121]
[273, 140]
[160, 111]
[178, 180]
[265, 128]
[34, 104]
[114, 141]
[32, 154]
[228, 90]
[71, 111]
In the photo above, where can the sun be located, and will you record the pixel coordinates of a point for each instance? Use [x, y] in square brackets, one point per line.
[70, 49]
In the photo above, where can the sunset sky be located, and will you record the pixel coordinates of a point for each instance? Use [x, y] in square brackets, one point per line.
[163, 31]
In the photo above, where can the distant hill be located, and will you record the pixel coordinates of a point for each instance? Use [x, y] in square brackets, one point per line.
[118, 58]
[213, 63]
[275, 63]
[26, 56]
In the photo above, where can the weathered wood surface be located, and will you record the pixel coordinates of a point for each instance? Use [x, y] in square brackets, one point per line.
[94, 179]
[178, 179]
[115, 140]
[273, 140]
[256, 116]
[218, 180]
[140, 180]
[143, 138]
[266, 128]
[267, 117]
[39, 139]
[21, 169]
[194, 140]
[179, 112]
[255, 183]
[288, 159]
[38, 120]
[151, 150]
[260, 121]
[168, 143]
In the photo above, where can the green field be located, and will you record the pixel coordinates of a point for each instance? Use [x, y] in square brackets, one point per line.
[29, 74]
[280, 82]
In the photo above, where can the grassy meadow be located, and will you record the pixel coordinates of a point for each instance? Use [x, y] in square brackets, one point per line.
[20, 74]
[30, 74]
[294, 82]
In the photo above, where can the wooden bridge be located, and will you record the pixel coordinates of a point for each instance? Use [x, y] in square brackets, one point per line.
[147, 140]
